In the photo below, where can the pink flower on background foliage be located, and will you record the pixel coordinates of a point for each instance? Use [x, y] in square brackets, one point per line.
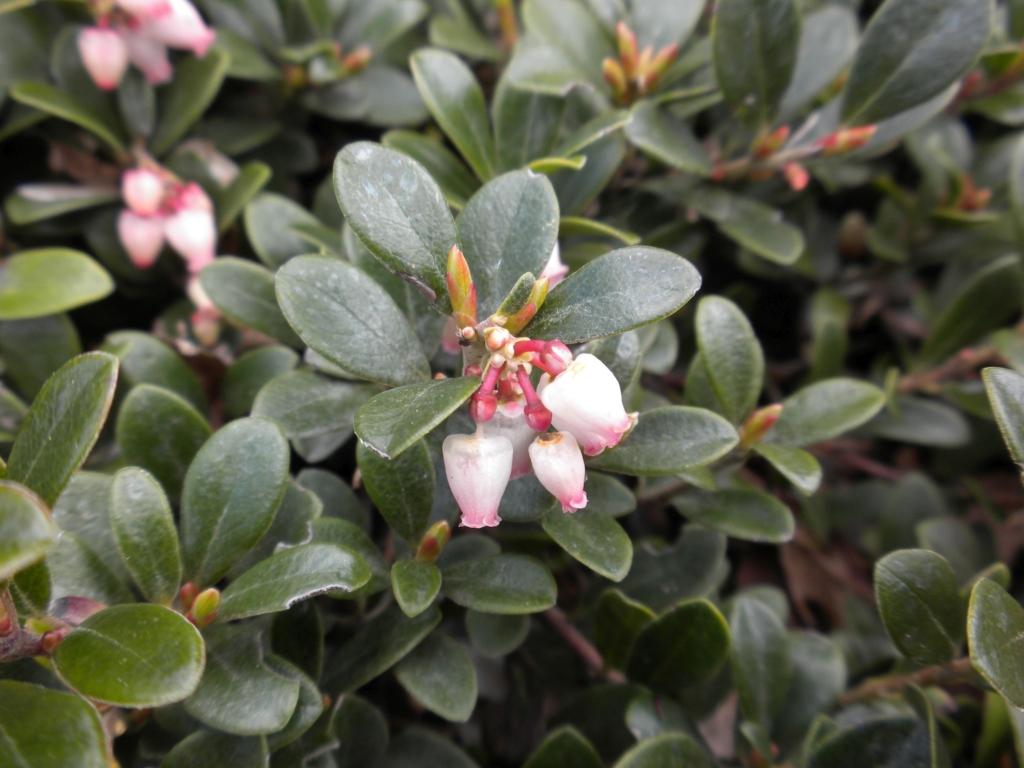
[181, 27]
[191, 229]
[478, 470]
[143, 191]
[141, 236]
[555, 270]
[150, 56]
[511, 424]
[104, 55]
[559, 466]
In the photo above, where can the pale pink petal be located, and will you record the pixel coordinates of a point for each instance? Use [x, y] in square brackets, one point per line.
[183, 27]
[141, 236]
[144, 9]
[193, 234]
[150, 56]
[143, 191]
[559, 466]
[509, 422]
[478, 470]
[104, 55]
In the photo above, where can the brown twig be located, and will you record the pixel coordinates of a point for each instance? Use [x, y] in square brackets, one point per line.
[957, 671]
[963, 362]
[583, 647]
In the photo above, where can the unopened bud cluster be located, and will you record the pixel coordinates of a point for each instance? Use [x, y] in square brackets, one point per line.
[635, 73]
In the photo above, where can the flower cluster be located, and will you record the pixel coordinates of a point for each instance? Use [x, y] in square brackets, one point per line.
[579, 397]
[162, 208]
[140, 32]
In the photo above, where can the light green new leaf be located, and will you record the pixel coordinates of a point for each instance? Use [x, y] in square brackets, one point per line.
[27, 531]
[243, 292]
[732, 356]
[49, 280]
[43, 728]
[439, 674]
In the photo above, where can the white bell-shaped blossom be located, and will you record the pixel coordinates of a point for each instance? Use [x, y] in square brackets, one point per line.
[192, 230]
[478, 470]
[150, 56]
[104, 55]
[141, 236]
[182, 27]
[142, 190]
[559, 466]
[510, 423]
[585, 399]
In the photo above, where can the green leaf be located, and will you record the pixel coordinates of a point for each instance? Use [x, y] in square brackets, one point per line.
[573, 226]
[995, 636]
[682, 647]
[145, 359]
[759, 659]
[27, 532]
[419, 748]
[593, 538]
[62, 425]
[989, 298]
[457, 182]
[46, 729]
[29, 203]
[526, 124]
[439, 674]
[742, 514]
[213, 749]
[732, 356]
[308, 709]
[617, 292]
[825, 410]
[920, 421]
[508, 228]
[54, 101]
[348, 318]
[295, 574]
[378, 645]
[160, 432]
[34, 349]
[182, 102]
[393, 421]
[608, 496]
[244, 293]
[883, 742]
[919, 603]
[235, 670]
[670, 141]
[245, 377]
[339, 500]
[828, 41]
[755, 46]
[415, 584]
[495, 635]
[794, 464]
[669, 440]
[402, 488]
[399, 213]
[817, 681]
[132, 656]
[1005, 390]
[46, 281]
[564, 747]
[143, 526]
[456, 101]
[76, 570]
[270, 221]
[350, 536]
[911, 51]
[361, 730]
[671, 750]
[617, 624]
[500, 584]
[230, 496]
[752, 224]
[234, 199]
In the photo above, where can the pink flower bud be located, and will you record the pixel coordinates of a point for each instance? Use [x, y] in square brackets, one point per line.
[183, 27]
[555, 270]
[142, 190]
[537, 416]
[141, 236]
[104, 55]
[510, 423]
[478, 469]
[193, 234]
[586, 400]
[144, 9]
[559, 466]
[150, 56]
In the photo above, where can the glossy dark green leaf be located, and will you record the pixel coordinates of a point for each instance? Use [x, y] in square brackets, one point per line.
[422, 748]
[393, 421]
[825, 410]
[742, 514]
[682, 647]
[885, 742]
[593, 538]
[456, 101]
[439, 674]
[732, 356]
[132, 656]
[348, 318]
[54, 101]
[668, 440]
[457, 182]
[235, 671]
[752, 224]
[1005, 390]
[232, 201]
[995, 636]
[500, 584]
[307, 710]
[755, 52]
[399, 213]
[694, 566]
[759, 658]
[828, 40]
[243, 292]
[671, 750]
[182, 102]
[519, 141]
[270, 220]
[911, 51]
[917, 698]
[246, 376]
[160, 432]
[74, 569]
[143, 527]
[33, 349]
[415, 584]
[378, 645]
[49, 280]
[350, 536]
[361, 730]
[608, 496]
[27, 531]
[299, 507]
[46, 729]
[145, 359]
[338, 498]
[618, 621]
[63, 423]
[617, 292]
[564, 747]
[817, 680]
[658, 134]
[295, 574]
[230, 496]
[508, 228]
[921, 421]
[213, 749]
[795, 464]
[495, 635]
[402, 488]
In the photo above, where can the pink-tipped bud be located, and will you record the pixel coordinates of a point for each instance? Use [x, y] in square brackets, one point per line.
[664, 58]
[6, 623]
[461, 290]
[796, 176]
[478, 470]
[187, 595]
[142, 190]
[537, 416]
[434, 541]
[52, 639]
[357, 60]
[141, 236]
[105, 56]
[846, 140]
[495, 338]
[150, 56]
[558, 464]
[182, 27]
[629, 50]
[615, 76]
[482, 406]
[768, 145]
[144, 9]
[759, 424]
[204, 608]
[555, 357]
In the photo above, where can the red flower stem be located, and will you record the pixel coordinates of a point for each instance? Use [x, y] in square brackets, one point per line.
[529, 345]
[527, 386]
[491, 379]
